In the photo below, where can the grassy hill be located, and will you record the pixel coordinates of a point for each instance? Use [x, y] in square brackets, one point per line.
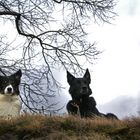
[68, 128]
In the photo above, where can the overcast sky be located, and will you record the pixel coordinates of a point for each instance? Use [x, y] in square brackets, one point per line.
[117, 71]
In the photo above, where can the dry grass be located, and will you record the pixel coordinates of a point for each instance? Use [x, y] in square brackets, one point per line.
[39, 127]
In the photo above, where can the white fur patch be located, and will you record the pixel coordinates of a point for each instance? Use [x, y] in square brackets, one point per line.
[10, 106]
[6, 89]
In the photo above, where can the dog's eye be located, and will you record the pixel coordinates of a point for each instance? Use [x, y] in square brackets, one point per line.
[4, 81]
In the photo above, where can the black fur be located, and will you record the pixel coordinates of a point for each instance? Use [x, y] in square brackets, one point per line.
[81, 101]
[79, 87]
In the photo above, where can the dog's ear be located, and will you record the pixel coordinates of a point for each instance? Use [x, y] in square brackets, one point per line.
[18, 74]
[70, 78]
[87, 76]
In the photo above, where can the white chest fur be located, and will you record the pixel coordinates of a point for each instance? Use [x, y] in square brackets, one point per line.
[9, 105]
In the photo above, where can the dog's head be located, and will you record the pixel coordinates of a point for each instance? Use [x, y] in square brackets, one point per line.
[79, 87]
[9, 85]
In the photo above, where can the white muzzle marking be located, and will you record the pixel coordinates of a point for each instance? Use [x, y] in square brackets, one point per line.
[9, 89]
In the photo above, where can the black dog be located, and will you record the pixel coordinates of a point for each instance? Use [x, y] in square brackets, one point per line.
[81, 102]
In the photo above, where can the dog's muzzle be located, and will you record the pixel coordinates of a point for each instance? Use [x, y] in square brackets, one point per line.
[9, 90]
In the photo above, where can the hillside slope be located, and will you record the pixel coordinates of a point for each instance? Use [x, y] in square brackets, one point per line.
[68, 128]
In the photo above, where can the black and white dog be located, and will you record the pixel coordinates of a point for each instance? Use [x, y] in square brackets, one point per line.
[9, 90]
[81, 102]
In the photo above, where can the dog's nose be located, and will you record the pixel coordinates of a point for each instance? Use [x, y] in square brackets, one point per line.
[84, 88]
[9, 89]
